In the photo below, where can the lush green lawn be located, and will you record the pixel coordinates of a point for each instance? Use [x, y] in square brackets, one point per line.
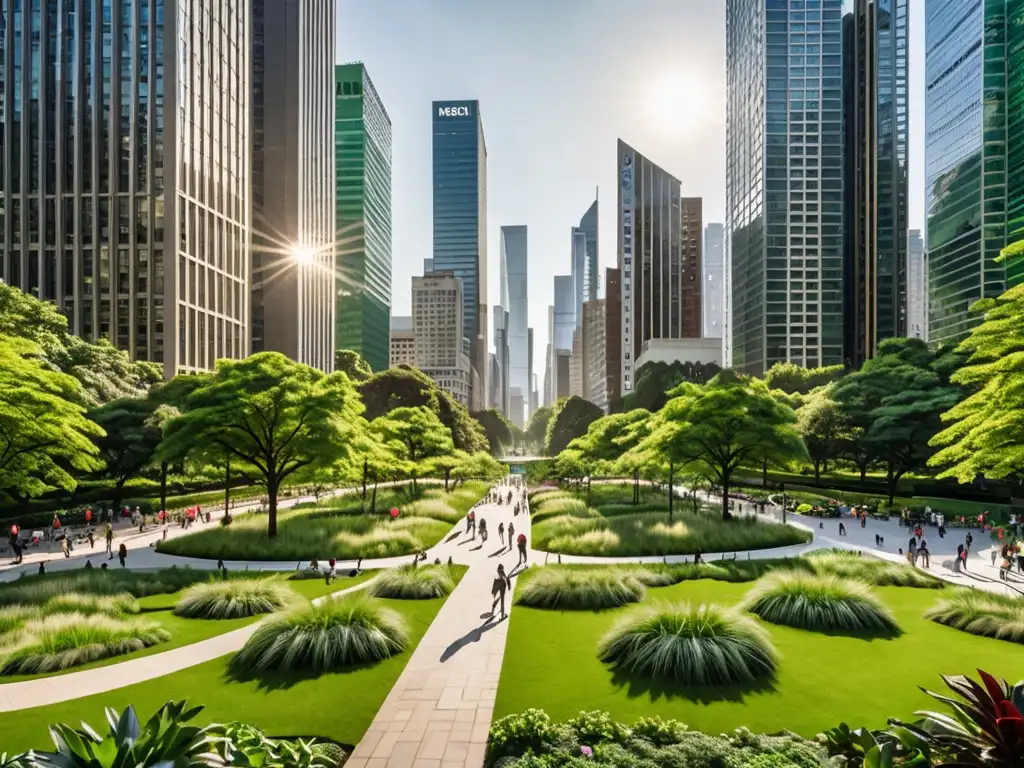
[338, 706]
[551, 663]
[339, 527]
[159, 608]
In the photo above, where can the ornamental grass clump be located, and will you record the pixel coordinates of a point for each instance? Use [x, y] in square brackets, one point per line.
[112, 605]
[235, 599]
[691, 645]
[878, 573]
[981, 613]
[435, 509]
[819, 603]
[546, 509]
[335, 634]
[410, 582]
[65, 640]
[580, 589]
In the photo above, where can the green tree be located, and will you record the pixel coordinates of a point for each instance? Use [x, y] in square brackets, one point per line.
[655, 380]
[405, 387]
[608, 439]
[130, 440]
[824, 429]
[44, 433]
[420, 433]
[715, 429]
[794, 379]
[273, 415]
[537, 429]
[985, 432]
[570, 418]
[574, 465]
[349, 362]
[497, 428]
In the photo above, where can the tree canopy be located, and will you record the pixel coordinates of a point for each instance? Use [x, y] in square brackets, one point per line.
[537, 429]
[824, 429]
[418, 431]
[571, 417]
[406, 387]
[655, 380]
[350, 363]
[132, 436]
[797, 380]
[273, 415]
[497, 428]
[44, 432]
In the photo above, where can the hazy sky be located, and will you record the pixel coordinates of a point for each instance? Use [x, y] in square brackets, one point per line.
[558, 82]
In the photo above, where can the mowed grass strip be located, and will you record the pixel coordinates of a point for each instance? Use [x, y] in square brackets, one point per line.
[336, 705]
[551, 662]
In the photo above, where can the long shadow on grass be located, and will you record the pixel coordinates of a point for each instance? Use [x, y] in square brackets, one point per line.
[282, 681]
[637, 687]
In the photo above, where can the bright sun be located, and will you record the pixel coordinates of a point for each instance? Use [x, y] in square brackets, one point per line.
[676, 101]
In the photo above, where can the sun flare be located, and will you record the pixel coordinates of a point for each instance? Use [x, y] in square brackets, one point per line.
[676, 100]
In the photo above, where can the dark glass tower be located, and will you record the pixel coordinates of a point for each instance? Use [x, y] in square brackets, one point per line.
[125, 170]
[362, 143]
[875, 215]
[460, 220]
[1015, 135]
[784, 184]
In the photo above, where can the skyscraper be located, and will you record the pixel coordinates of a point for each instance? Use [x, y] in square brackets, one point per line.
[659, 234]
[613, 335]
[460, 218]
[499, 388]
[362, 147]
[713, 300]
[514, 250]
[108, 205]
[968, 122]
[437, 325]
[875, 184]
[293, 179]
[917, 287]
[588, 225]
[784, 182]
[580, 274]
[594, 340]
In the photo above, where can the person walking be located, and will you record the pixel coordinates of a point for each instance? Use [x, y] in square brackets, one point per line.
[912, 551]
[499, 586]
[967, 543]
[92, 539]
[122, 553]
[511, 535]
[65, 546]
[18, 550]
[501, 534]
[483, 532]
[924, 554]
[109, 535]
[521, 543]
[469, 521]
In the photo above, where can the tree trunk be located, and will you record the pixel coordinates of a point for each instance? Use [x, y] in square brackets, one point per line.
[373, 501]
[271, 506]
[817, 473]
[119, 493]
[764, 474]
[447, 474]
[589, 481]
[863, 471]
[366, 469]
[636, 487]
[891, 479]
[227, 486]
[695, 488]
[671, 490]
[163, 486]
[725, 495]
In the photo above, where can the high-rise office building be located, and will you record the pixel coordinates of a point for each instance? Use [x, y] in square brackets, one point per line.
[428, 266]
[588, 225]
[875, 176]
[460, 217]
[549, 359]
[362, 161]
[594, 342]
[784, 183]
[659, 234]
[969, 125]
[613, 335]
[564, 312]
[576, 361]
[530, 396]
[513, 256]
[114, 204]
[713, 299]
[403, 342]
[917, 287]
[437, 325]
[293, 179]
[580, 270]
[500, 389]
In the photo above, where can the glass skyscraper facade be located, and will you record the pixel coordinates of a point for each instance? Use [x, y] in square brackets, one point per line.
[784, 182]
[134, 220]
[588, 226]
[970, 198]
[876, 179]
[362, 144]
[460, 219]
[514, 250]
[1015, 135]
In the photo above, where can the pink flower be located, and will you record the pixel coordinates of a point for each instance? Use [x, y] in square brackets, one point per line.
[586, 751]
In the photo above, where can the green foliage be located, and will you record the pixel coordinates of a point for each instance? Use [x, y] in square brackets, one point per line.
[65, 640]
[417, 434]
[797, 380]
[132, 431]
[409, 582]
[44, 434]
[598, 727]
[248, 746]
[116, 605]
[824, 428]
[570, 418]
[405, 387]
[982, 613]
[569, 589]
[352, 365]
[702, 645]
[870, 570]
[659, 731]
[270, 414]
[38, 590]
[819, 603]
[336, 634]
[529, 732]
[546, 506]
[497, 428]
[985, 432]
[655, 380]
[537, 429]
[235, 599]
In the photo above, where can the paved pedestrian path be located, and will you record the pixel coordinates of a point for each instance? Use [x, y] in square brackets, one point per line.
[74, 685]
[439, 712]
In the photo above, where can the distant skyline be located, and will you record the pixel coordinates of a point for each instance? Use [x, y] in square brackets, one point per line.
[558, 84]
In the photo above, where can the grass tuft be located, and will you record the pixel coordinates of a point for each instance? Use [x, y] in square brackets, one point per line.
[111, 605]
[984, 614]
[413, 583]
[62, 641]
[878, 573]
[436, 509]
[581, 589]
[819, 603]
[235, 599]
[335, 634]
[692, 645]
